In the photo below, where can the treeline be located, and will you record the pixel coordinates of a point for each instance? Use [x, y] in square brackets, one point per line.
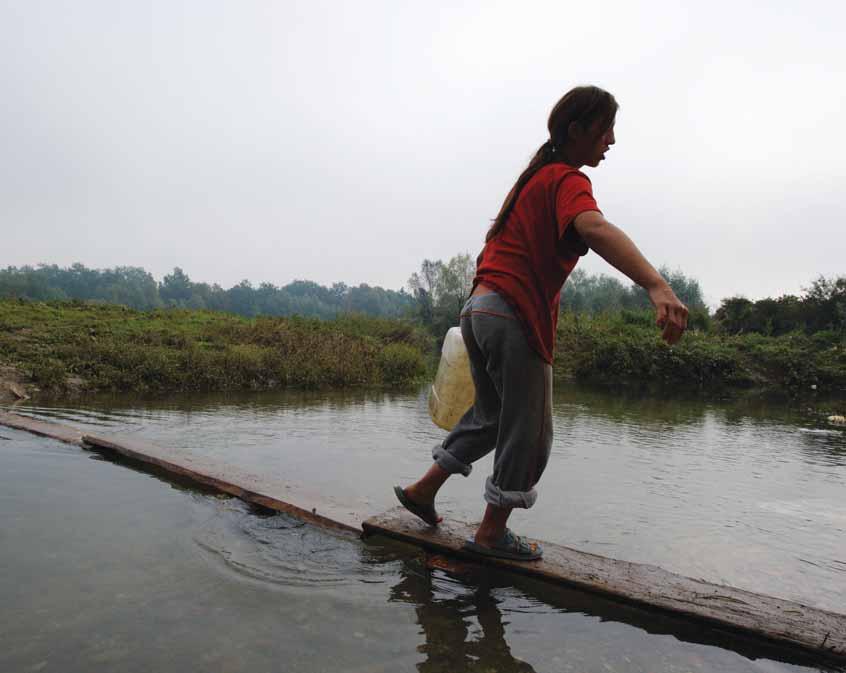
[440, 288]
[435, 295]
[136, 288]
[587, 293]
[821, 307]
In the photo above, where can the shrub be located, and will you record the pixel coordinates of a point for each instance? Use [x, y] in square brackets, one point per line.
[400, 363]
[49, 373]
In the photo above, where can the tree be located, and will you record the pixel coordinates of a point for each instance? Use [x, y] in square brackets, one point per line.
[440, 290]
[686, 289]
[175, 288]
[586, 293]
[422, 286]
[826, 299]
[453, 284]
[242, 299]
[734, 315]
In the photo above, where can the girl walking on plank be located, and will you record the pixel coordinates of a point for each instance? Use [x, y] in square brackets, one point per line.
[548, 221]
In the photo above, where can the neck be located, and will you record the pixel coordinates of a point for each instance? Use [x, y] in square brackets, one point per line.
[570, 159]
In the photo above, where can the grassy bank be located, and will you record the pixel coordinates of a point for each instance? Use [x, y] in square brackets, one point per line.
[72, 346]
[63, 346]
[625, 348]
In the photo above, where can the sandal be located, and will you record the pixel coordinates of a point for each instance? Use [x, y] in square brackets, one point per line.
[511, 546]
[425, 512]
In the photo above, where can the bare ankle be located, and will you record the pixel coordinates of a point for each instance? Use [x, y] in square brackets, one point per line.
[489, 535]
[419, 495]
[492, 527]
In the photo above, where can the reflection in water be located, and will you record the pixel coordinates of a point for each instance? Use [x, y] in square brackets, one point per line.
[446, 614]
[463, 611]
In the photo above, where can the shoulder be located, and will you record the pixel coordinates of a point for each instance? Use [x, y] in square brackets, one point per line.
[559, 171]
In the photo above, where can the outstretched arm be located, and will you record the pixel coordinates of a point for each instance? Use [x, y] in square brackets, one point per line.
[612, 244]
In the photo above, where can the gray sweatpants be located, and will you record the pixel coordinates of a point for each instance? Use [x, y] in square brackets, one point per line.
[513, 408]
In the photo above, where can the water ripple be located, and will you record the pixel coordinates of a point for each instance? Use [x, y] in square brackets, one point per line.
[278, 549]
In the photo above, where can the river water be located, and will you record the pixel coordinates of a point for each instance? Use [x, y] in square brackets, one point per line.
[105, 568]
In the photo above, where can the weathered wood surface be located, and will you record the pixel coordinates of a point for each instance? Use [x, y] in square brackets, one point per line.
[63, 433]
[772, 618]
[229, 479]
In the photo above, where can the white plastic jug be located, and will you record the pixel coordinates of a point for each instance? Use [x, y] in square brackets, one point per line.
[453, 392]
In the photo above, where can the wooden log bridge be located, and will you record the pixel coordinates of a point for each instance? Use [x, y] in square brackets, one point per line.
[774, 619]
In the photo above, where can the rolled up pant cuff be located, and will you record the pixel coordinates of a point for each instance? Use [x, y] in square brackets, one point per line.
[449, 462]
[495, 496]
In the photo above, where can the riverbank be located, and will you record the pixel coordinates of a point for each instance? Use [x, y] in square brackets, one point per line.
[73, 347]
[625, 349]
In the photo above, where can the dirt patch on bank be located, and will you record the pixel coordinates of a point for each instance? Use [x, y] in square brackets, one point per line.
[14, 385]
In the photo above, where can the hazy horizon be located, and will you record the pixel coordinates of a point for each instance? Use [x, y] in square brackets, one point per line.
[712, 305]
[334, 142]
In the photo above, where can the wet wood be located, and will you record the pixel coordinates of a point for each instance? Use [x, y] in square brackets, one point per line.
[249, 487]
[63, 433]
[771, 618]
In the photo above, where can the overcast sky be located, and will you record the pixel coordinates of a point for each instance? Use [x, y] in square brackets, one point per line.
[348, 141]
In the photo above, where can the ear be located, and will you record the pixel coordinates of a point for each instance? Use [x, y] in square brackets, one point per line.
[575, 131]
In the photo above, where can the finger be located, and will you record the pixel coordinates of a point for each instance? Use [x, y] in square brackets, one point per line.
[672, 333]
[681, 317]
[661, 313]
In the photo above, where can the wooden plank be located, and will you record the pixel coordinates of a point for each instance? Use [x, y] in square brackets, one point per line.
[63, 433]
[773, 618]
[256, 489]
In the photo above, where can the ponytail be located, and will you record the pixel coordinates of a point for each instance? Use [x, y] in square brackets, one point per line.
[546, 154]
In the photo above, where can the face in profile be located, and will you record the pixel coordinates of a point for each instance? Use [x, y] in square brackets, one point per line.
[601, 144]
[588, 147]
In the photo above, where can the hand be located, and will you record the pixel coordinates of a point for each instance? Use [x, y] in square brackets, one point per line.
[670, 313]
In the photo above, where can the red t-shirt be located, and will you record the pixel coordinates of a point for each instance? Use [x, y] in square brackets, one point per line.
[531, 257]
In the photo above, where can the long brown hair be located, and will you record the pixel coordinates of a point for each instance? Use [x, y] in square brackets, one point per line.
[584, 105]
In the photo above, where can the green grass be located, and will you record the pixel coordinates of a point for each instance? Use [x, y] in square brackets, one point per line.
[60, 346]
[115, 348]
[625, 348]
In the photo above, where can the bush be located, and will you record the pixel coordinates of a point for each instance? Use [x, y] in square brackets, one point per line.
[400, 363]
[49, 373]
[625, 348]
